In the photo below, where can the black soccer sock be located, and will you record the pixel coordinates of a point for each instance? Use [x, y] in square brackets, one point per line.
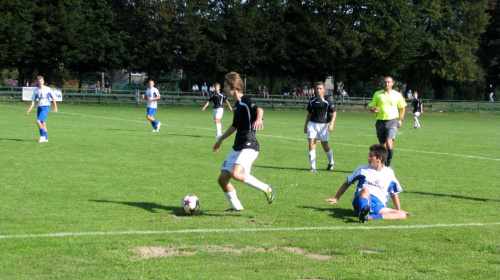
[389, 158]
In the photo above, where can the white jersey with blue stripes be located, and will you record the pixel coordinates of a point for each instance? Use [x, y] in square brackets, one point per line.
[44, 96]
[152, 92]
[381, 183]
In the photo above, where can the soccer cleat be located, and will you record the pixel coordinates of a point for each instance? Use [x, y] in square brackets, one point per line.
[363, 214]
[43, 140]
[158, 127]
[312, 169]
[269, 194]
[330, 166]
[218, 136]
[154, 130]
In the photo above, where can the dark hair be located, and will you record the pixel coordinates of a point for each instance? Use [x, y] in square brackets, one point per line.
[379, 151]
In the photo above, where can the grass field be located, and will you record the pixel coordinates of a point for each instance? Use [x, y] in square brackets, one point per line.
[102, 199]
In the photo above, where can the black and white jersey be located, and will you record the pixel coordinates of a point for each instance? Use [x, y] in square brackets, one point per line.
[321, 109]
[245, 113]
[218, 99]
[416, 103]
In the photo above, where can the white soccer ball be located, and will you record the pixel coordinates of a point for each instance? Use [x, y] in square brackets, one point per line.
[190, 204]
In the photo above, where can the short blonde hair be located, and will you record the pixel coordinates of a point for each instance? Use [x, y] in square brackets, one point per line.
[234, 80]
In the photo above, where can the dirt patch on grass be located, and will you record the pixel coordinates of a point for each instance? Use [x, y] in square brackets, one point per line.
[158, 252]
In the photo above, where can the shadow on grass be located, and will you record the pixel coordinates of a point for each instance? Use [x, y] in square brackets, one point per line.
[11, 139]
[454, 196]
[348, 215]
[300, 169]
[187, 135]
[148, 206]
[152, 207]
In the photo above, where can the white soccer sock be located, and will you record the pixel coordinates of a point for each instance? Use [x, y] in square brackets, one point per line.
[255, 183]
[233, 200]
[312, 158]
[329, 154]
[218, 128]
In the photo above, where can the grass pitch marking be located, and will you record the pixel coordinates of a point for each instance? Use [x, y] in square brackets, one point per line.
[65, 234]
[281, 137]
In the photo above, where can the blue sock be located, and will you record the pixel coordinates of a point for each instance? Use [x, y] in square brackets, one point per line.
[362, 203]
[376, 216]
[45, 134]
[155, 122]
[41, 131]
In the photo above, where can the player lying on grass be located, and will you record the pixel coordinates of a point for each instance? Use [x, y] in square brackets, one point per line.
[376, 183]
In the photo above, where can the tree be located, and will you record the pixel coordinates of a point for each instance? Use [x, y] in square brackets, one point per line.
[490, 45]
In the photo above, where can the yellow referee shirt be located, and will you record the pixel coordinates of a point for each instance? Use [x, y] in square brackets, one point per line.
[388, 104]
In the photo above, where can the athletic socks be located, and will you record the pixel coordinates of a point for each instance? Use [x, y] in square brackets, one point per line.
[376, 216]
[312, 158]
[255, 183]
[389, 158]
[43, 133]
[218, 129]
[362, 203]
[233, 200]
[329, 154]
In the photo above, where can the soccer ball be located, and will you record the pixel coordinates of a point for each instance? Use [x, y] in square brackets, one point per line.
[190, 204]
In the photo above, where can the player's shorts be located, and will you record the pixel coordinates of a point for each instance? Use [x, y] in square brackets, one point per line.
[386, 130]
[218, 113]
[318, 131]
[244, 158]
[42, 113]
[416, 114]
[375, 204]
[151, 111]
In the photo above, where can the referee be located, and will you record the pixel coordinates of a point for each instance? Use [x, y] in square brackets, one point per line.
[389, 107]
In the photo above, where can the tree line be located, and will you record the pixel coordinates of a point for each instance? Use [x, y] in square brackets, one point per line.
[445, 49]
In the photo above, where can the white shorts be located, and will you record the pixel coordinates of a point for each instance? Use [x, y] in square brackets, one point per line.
[416, 114]
[243, 158]
[318, 131]
[218, 113]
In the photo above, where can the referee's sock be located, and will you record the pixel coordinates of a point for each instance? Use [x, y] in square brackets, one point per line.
[389, 158]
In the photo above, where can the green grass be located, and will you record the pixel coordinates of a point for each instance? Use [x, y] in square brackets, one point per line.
[109, 187]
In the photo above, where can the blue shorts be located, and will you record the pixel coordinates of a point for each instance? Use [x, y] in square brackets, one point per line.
[42, 113]
[374, 202]
[151, 111]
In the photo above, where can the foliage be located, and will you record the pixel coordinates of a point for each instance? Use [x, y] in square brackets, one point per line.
[425, 44]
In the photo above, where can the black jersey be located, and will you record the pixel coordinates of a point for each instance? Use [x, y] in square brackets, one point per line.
[218, 99]
[417, 104]
[245, 113]
[321, 109]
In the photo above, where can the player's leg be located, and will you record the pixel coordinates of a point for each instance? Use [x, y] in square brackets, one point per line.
[312, 153]
[364, 205]
[392, 214]
[224, 181]
[324, 136]
[229, 191]
[217, 121]
[241, 172]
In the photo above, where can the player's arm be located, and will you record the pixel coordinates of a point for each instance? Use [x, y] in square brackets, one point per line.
[340, 192]
[55, 104]
[397, 204]
[226, 134]
[332, 122]
[258, 124]
[308, 118]
[206, 105]
[401, 116]
[421, 108]
[31, 107]
[229, 105]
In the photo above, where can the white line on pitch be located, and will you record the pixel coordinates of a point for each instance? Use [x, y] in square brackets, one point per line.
[63, 234]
